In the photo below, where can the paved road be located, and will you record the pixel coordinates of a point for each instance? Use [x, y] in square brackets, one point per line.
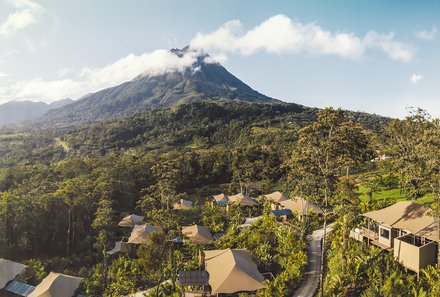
[310, 284]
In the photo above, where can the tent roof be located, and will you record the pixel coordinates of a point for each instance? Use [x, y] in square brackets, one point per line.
[9, 270]
[243, 200]
[131, 220]
[301, 206]
[57, 285]
[409, 216]
[140, 233]
[232, 270]
[197, 234]
[183, 204]
[276, 196]
[220, 197]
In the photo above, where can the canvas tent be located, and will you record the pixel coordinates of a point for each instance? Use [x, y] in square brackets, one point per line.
[409, 216]
[276, 196]
[220, 197]
[183, 204]
[57, 285]
[250, 221]
[140, 233]
[9, 270]
[242, 200]
[197, 234]
[232, 270]
[300, 206]
[131, 220]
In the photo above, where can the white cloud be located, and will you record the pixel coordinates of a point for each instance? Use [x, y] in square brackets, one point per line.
[26, 15]
[216, 58]
[280, 35]
[426, 35]
[94, 79]
[3, 75]
[415, 78]
[64, 71]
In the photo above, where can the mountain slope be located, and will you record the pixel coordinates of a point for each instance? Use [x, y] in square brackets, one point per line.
[19, 111]
[200, 82]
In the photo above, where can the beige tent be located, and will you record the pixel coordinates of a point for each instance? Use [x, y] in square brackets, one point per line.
[250, 221]
[220, 197]
[242, 200]
[276, 196]
[57, 285]
[183, 204]
[9, 271]
[232, 270]
[140, 233]
[197, 234]
[408, 216]
[301, 206]
[131, 220]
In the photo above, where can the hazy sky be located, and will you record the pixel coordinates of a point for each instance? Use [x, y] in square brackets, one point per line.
[374, 56]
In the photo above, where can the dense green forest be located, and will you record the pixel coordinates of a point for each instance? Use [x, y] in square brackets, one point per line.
[63, 191]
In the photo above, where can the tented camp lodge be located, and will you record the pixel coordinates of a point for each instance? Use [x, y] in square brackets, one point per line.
[297, 205]
[54, 285]
[242, 200]
[197, 234]
[232, 270]
[183, 204]
[407, 229]
[57, 285]
[226, 271]
[130, 221]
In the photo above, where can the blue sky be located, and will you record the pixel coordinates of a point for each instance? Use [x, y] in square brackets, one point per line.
[373, 56]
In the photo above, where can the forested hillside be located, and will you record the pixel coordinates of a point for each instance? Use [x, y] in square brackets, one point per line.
[77, 183]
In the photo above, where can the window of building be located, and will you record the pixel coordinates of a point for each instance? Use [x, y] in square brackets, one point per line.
[385, 233]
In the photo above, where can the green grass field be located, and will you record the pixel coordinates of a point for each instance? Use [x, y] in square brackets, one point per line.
[391, 196]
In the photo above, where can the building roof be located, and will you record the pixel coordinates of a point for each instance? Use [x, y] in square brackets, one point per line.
[250, 221]
[57, 285]
[9, 270]
[183, 204]
[232, 270]
[243, 200]
[131, 220]
[140, 233]
[282, 212]
[276, 196]
[193, 278]
[301, 206]
[197, 234]
[220, 197]
[409, 216]
[19, 288]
